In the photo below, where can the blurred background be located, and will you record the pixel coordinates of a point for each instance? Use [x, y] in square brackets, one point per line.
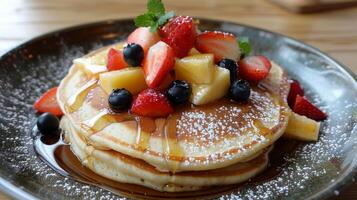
[330, 25]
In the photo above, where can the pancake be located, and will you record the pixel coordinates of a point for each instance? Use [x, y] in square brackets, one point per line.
[126, 169]
[197, 138]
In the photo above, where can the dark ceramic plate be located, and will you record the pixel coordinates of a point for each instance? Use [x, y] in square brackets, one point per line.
[311, 171]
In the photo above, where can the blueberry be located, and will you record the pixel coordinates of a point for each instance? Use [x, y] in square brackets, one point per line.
[239, 90]
[231, 65]
[179, 92]
[133, 54]
[120, 100]
[47, 123]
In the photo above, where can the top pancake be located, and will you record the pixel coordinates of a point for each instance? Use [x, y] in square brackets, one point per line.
[193, 138]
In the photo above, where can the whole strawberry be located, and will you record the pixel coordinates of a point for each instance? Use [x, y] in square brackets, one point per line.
[180, 34]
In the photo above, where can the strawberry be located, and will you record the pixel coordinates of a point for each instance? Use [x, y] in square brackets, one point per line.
[116, 60]
[48, 103]
[222, 45]
[143, 37]
[254, 68]
[180, 34]
[303, 107]
[158, 62]
[295, 89]
[151, 103]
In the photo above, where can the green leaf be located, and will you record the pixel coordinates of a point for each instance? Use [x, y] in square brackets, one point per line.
[144, 20]
[156, 7]
[164, 18]
[244, 45]
[153, 27]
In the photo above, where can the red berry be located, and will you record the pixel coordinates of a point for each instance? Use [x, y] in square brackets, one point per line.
[180, 34]
[48, 103]
[304, 107]
[151, 103]
[222, 45]
[143, 37]
[295, 89]
[158, 62]
[254, 68]
[116, 60]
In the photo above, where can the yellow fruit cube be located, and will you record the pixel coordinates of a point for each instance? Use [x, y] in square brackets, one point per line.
[196, 69]
[218, 88]
[302, 128]
[193, 51]
[96, 63]
[131, 79]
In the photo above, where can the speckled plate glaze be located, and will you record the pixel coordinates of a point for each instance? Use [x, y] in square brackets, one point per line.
[312, 171]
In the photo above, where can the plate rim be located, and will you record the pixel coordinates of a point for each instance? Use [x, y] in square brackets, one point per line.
[345, 178]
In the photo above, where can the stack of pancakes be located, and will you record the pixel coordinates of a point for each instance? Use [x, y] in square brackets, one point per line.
[195, 147]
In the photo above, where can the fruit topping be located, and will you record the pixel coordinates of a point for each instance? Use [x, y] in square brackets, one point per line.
[222, 45]
[157, 63]
[303, 107]
[151, 103]
[120, 100]
[239, 90]
[47, 123]
[232, 66]
[302, 128]
[166, 82]
[198, 69]
[179, 92]
[131, 78]
[193, 52]
[295, 89]
[133, 54]
[48, 103]
[116, 60]
[180, 34]
[218, 88]
[254, 68]
[143, 37]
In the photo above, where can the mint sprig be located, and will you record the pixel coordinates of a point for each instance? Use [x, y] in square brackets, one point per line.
[154, 17]
[244, 46]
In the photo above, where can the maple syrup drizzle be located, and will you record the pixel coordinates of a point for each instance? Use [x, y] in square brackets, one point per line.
[104, 119]
[76, 100]
[145, 126]
[171, 146]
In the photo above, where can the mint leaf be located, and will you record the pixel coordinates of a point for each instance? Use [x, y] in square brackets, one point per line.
[156, 7]
[153, 27]
[164, 18]
[144, 20]
[154, 17]
[244, 45]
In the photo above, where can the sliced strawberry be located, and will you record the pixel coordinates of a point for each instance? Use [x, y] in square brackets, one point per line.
[151, 103]
[180, 34]
[116, 60]
[304, 107]
[144, 37]
[222, 45]
[159, 60]
[295, 89]
[48, 103]
[166, 82]
[254, 68]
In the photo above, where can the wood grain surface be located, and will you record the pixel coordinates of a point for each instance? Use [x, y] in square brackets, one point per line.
[333, 32]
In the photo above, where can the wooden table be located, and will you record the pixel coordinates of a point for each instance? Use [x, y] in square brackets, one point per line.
[333, 32]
